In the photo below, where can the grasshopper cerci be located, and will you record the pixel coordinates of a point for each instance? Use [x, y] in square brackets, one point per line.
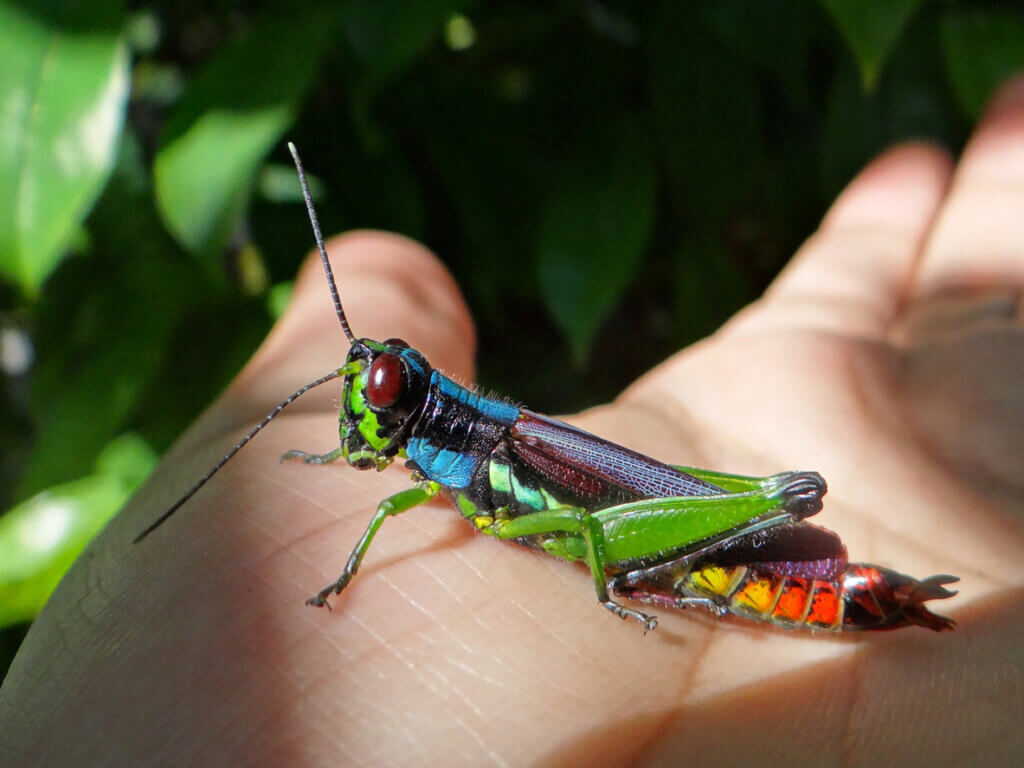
[651, 532]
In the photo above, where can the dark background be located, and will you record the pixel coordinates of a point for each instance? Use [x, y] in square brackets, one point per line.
[608, 181]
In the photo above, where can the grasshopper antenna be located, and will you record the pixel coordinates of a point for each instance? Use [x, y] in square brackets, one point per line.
[345, 370]
[238, 446]
[320, 244]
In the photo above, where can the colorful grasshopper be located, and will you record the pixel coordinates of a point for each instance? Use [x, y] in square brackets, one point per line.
[676, 536]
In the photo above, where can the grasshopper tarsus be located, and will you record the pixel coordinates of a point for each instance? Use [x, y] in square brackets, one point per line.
[319, 601]
[312, 458]
[649, 622]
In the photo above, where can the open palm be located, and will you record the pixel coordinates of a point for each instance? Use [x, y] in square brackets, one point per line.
[888, 356]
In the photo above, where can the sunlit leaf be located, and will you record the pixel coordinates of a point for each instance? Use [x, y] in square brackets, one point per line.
[279, 297]
[63, 85]
[232, 115]
[41, 537]
[871, 28]
[983, 47]
[595, 227]
[103, 324]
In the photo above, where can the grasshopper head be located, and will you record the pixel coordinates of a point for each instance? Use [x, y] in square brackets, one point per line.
[384, 389]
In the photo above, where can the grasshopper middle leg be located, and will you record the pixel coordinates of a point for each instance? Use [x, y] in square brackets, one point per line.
[579, 522]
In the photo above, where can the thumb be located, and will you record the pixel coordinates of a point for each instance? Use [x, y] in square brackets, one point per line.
[390, 287]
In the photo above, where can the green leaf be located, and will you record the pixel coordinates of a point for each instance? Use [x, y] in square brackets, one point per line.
[745, 27]
[129, 459]
[41, 537]
[594, 230]
[709, 286]
[871, 29]
[910, 104]
[982, 47]
[63, 86]
[102, 327]
[232, 115]
[706, 110]
[279, 297]
[473, 136]
[387, 35]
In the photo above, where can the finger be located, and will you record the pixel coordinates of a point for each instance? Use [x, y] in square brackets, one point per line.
[852, 274]
[978, 240]
[390, 287]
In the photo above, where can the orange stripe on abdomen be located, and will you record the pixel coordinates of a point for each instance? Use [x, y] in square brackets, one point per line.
[794, 603]
[826, 606]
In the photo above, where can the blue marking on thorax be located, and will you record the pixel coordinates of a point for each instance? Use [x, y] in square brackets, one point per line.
[414, 359]
[442, 465]
[451, 465]
[493, 409]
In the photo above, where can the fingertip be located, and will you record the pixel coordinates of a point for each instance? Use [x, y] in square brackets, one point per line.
[894, 188]
[853, 273]
[976, 245]
[995, 153]
[1008, 98]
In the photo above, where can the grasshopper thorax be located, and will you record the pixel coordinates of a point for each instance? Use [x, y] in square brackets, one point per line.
[383, 394]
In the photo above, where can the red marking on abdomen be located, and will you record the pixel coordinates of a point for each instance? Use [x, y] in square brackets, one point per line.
[793, 601]
[824, 611]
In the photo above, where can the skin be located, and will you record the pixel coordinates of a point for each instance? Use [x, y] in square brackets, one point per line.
[889, 356]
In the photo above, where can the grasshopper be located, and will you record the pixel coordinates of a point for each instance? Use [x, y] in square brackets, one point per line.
[648, 531]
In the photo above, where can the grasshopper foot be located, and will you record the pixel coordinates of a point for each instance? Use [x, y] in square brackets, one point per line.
[311, 458]
[802, 492]
[649, 622]
[319, 600]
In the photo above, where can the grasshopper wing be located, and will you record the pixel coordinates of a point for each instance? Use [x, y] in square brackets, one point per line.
[590, 467]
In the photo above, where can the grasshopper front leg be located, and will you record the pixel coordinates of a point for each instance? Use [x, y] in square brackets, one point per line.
[313, 458]
[393, 505]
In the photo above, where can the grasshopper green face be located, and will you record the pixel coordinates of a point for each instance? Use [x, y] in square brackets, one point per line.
[385, 386]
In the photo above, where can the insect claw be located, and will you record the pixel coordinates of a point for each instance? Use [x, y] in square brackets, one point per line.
[649, 622]
[318, 601]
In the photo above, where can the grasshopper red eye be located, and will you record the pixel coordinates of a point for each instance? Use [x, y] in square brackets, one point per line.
[387, 381]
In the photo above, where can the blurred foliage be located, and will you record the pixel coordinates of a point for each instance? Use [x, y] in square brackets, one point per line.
[608, 181]
[41, 537]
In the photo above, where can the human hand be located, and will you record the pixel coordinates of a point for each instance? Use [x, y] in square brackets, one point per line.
[889, 356]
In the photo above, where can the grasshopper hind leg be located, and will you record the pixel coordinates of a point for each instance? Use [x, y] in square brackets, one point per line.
[312, 458]
[655, 597]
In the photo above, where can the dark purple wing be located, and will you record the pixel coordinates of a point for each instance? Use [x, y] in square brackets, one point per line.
[592, 467]
[801, 549]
